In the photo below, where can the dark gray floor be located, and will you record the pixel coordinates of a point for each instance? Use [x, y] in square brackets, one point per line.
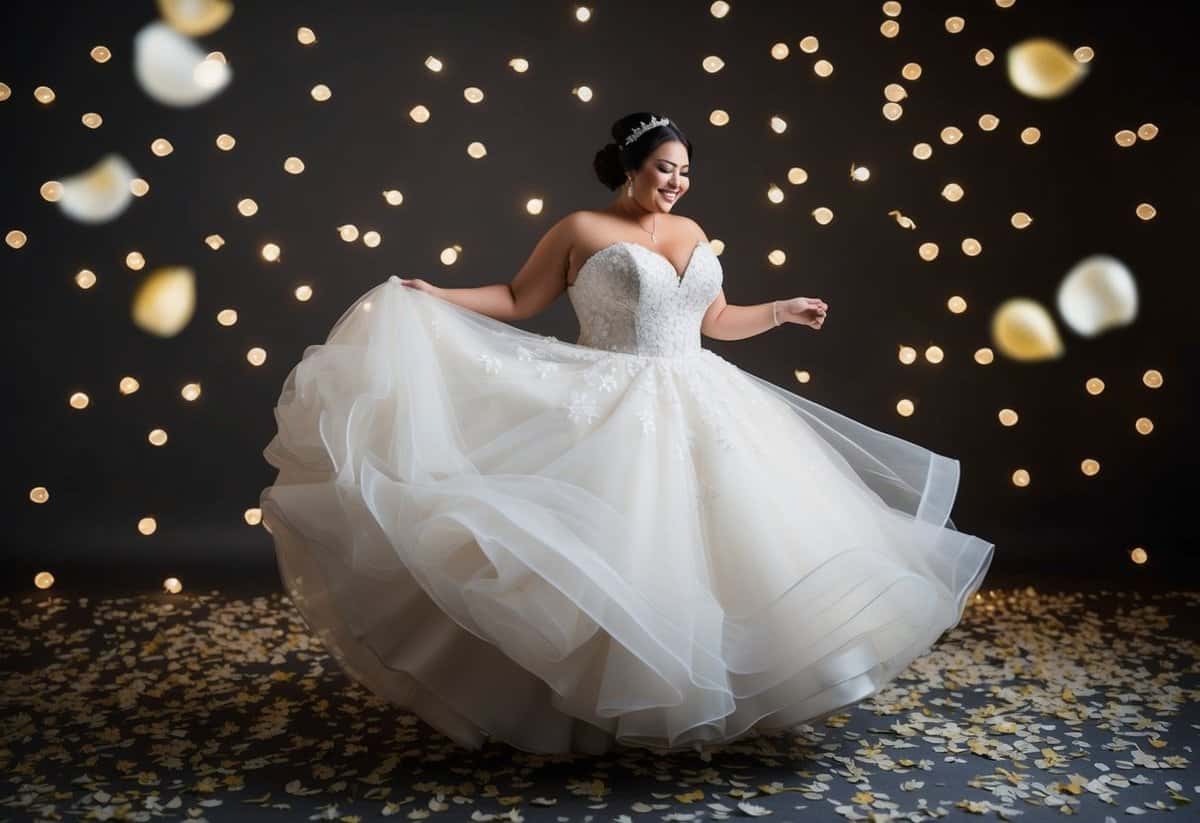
[220, 706]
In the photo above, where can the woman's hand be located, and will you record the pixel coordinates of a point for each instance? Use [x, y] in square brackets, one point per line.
[809, 311]
[420, 285]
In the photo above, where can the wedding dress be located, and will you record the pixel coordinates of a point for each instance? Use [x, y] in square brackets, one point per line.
[626, 540]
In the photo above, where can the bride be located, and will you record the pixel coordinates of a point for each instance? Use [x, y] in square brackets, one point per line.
[625, 540]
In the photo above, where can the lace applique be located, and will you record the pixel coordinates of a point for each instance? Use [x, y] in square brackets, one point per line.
[490, 362]
[581, 407]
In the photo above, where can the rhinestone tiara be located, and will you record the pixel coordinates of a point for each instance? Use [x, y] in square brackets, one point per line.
[643, 127]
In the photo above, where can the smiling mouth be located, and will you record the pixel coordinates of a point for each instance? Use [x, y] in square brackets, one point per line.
[669, 195]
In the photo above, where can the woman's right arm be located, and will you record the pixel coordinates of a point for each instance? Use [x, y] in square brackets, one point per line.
[538, 284]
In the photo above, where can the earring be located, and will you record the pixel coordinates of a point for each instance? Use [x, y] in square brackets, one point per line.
[629, 188]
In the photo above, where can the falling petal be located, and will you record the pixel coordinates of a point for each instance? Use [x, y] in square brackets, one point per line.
[1098, 293]
[1024, 330]
[195, 18]
[165, 301]
[1043, 68]
[100, 193]
[173, 70]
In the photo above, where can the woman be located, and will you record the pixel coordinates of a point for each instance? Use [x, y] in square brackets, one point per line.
[622, 540]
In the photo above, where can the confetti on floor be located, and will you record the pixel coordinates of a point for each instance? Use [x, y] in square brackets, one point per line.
[210, 707]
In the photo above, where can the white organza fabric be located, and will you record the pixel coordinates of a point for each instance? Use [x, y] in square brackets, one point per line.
[623, 540]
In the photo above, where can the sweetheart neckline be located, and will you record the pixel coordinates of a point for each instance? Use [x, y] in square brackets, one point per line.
[687, 267]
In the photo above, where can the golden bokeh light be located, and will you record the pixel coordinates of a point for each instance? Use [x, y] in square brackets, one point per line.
[955, 24]
[801, 375]
[305, 36]
[252, 516]
[85, 278]
[534, 205]
[519, 65]
[303, 293]
[776, 257]
[988, 122]
[39, 494]
[100, 54]
[1145, 211]
[270, 252]
[433, 63]
[952, 192]
[950, 135]
[823, 68]
[5, 92]
[247, 207]
[712, 64]
[138, 187]
[419, 114]
[984, 57]
[971, 247]
[256, 356]
[44, 95]
[1125, 138]
[719, 117]
[135, 260]
[371, 239]
[823, 215]
[476, 150]
[719, 9]
[956, 304]
[214, 241]
[1138, 555]
[911, 71]
[859, 174]
[774, 193]
[928, 251]
[906, 355]
[1020, 220]
[51, 191]
[43, 580]
[225, 142]
[1030, 135]
[172, 585]
[92, 120]
[1143, 425]
[79, 400]
[780, 51]
[892, 111]
[449, 255]
[1090, 467]
[902, 220]
[1020, 478]
[320, 92]
[797, 176]
[293, 165]
[583, 14]
[584, 93]
[778, 124]
[1153, 379]
[905, 407]
[128, 385]
[1147, 131]
[922, 151]
[348, 232]
[1008, 417]
[889, 28]
[147, 526]
[891, 8]
[190, 392]
[393, 197]
[984, 356]
[1094, 386]
[1097, 294]
[157, 437]
[227, 317]
[161, 147]
[473, 94]
[934, 354]
[894, 92]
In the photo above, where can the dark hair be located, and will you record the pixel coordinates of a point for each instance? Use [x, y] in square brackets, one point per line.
[612, 161]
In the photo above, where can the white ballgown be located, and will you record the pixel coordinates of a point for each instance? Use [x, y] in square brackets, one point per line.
[625, 540]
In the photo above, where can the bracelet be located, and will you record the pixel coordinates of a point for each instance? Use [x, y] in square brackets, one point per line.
[774, 312]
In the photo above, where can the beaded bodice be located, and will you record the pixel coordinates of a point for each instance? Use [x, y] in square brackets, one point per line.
[629, 298]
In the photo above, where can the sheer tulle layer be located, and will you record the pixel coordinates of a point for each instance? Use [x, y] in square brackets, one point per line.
[568, 548]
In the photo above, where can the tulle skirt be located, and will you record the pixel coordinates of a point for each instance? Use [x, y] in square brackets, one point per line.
[568, 549]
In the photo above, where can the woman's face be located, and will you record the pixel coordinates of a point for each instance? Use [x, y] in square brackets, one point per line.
[663, 177]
